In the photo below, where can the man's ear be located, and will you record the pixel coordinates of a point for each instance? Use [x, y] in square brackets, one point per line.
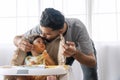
[61, 31]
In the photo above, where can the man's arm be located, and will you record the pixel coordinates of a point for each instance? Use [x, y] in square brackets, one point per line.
[22, 43]
[18, 57]
[17, 40]
[86, 59]
[84, 52]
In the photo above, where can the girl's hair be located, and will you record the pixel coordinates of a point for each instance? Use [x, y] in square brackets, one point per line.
[31, 38]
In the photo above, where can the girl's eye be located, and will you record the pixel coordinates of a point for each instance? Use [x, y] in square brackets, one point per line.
[40, 42]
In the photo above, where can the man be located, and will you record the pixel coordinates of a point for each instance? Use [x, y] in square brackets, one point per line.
[78, 43]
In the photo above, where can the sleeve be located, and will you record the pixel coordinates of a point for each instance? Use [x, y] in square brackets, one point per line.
[33, 31]
[82, 39]
[18, 58]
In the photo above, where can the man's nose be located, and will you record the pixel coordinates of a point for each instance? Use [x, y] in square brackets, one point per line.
[42, 35]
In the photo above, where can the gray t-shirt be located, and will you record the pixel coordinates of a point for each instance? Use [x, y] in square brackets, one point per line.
[76, 32]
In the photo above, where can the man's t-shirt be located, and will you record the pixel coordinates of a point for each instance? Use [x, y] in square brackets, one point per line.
[76, 32]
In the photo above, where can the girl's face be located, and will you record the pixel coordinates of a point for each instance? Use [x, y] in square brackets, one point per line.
[39, 45]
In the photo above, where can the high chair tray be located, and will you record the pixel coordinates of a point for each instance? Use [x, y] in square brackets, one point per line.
[33, 70]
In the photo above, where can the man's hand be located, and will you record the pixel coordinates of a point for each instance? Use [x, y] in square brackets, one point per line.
[69, 49]
[24, 45]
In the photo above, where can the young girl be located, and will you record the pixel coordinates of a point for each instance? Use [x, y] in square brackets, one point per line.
[37, 56]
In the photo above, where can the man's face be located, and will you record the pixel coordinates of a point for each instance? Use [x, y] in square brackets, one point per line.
[49, 34]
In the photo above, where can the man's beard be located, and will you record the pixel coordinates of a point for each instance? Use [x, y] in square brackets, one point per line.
[50, 40]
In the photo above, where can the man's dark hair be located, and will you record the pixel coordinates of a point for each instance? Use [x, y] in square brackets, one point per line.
[52, 18]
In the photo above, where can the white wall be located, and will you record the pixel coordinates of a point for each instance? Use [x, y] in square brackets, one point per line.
[6, 52]
[108, 54]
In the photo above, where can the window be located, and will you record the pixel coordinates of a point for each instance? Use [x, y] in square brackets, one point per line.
[105, 20]
[16, 17]
[21, 15]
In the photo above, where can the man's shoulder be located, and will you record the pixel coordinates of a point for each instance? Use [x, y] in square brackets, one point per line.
[34, 31]
[72, 20]
[74, 23]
